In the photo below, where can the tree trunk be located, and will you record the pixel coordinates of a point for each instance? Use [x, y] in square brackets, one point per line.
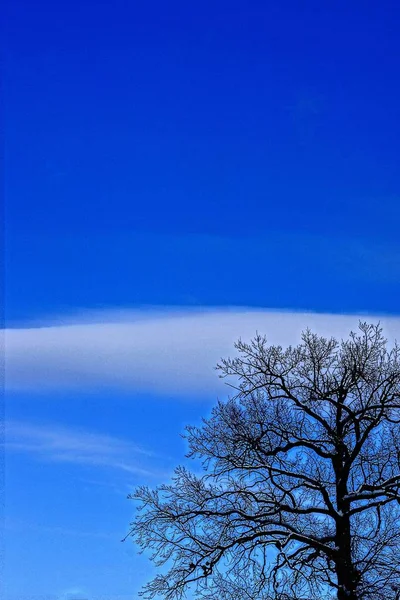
[347, 575]
[347, 585]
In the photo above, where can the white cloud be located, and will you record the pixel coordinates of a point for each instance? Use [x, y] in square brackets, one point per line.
[61, 444]
[169, 352]
[17, 526]
[74, 593]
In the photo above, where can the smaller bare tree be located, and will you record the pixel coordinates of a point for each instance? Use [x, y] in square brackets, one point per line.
[300, 498]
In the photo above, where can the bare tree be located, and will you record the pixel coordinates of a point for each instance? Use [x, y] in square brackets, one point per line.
[300, 497]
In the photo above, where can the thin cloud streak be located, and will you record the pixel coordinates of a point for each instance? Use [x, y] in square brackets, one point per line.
[169, 353]
[59, 444]
[19, 526]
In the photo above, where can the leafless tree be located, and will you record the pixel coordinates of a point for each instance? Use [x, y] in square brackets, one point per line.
[300, 496]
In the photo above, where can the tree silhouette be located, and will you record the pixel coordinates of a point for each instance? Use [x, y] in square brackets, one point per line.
[300, 497]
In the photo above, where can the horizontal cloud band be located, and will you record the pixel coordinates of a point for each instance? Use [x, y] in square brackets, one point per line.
[170, 352]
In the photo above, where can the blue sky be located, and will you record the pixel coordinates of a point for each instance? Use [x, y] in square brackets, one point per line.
[177, 174]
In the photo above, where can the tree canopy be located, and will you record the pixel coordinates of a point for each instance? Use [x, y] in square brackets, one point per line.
[300, 492]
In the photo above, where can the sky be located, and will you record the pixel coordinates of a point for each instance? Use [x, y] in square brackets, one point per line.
[177, 175]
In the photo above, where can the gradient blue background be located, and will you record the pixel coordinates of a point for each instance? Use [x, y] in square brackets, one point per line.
[183, 153]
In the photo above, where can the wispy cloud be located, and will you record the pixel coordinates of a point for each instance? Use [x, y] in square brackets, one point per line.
[70, 595]
[59, 444]
[170, 352]
[18, 526]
